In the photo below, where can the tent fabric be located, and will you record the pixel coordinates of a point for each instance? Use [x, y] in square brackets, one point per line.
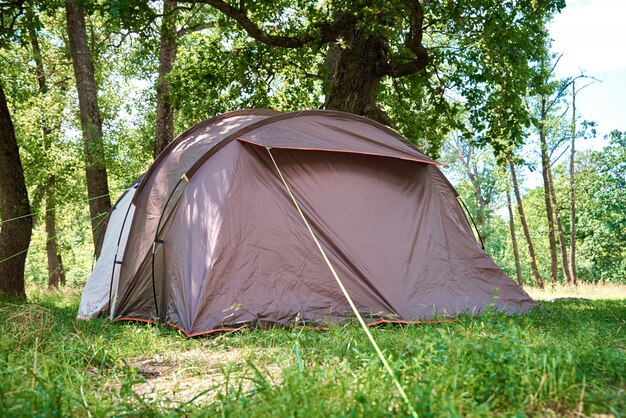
[333, 131]
[105, 274]
[216, 242]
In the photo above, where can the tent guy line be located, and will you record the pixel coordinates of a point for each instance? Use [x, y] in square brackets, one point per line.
[51, 238]
[345, 292]
[53, 210]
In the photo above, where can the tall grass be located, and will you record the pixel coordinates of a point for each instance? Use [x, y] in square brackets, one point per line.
[566, 359]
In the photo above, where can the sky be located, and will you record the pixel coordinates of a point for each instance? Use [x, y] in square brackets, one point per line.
[591, 36]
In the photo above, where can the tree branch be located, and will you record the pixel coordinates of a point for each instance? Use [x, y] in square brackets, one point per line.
[184, 31]
[413, 42]
[241, 16]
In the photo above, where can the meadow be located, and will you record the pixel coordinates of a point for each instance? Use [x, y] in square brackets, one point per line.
[566, 359]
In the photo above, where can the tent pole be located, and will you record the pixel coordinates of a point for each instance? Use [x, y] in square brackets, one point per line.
[482, 244]
[158, 241]
[115, 262]
[345, 292]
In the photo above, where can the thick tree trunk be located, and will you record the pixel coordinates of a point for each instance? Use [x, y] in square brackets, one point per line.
[56, 274]
[572, 194]
[559, 226]
[518, 269]
[355, 69]
[16, 223]
[167, 56]
[95, 166]
[545, 165]
[354, 77]
[522, 218]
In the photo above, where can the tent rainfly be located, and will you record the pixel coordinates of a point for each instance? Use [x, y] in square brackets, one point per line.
[215, 234]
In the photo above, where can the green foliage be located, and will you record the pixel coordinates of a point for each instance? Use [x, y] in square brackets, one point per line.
[126, 113]
[487, 55]
[539, 364]
[221, 70]
[601, 187]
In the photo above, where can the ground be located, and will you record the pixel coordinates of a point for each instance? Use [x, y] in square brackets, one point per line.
[565, 360]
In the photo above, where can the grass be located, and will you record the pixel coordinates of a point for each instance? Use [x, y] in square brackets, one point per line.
[584, 290]
[565, 360]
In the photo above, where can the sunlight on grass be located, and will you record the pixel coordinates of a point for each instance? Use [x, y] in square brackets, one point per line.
[564, 360]
[582, 290]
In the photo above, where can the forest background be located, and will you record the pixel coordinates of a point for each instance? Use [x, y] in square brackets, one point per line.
[92, 90]
[95, 89]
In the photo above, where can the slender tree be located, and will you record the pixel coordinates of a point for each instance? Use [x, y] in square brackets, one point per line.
[15, 218]
[479, 169]
[56, 273]
[572, 194]
[545, 165]
[522, 218]
[518, 268]
[560, 230]
[91, 121]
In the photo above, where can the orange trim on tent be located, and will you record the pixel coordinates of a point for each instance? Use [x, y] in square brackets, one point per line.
[308, 328]
[344, 151]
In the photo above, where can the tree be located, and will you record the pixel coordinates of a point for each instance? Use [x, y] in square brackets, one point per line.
[522, 218]
[545, 165]
[518, 269]
[56, 272]
[367, 54]
[478, 166]
[167, 55]
[91, 121]
[601, 199]
[572, 194]
[16, 226]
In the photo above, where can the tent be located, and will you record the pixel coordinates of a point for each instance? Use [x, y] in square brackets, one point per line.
[215, 234]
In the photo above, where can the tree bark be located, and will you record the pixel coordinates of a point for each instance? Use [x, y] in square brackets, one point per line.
[17, 224]
[354, 74]
[95, 165]
[545, 165]
[518, 269]
[522, 218]
[167, 56]
[572, 194]
[56, 274]
[559, 227]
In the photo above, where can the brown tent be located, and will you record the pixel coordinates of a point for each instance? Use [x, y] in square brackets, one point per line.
[216, 241]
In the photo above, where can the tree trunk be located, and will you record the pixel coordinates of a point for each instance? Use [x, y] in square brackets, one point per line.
[55, 267]
[561, 232]
[518, 269]
[522, 218]
[572, 195]
[56, 275]
[355, 69]
[95, 166]
[17, 224]
[545, 165]
[167, 56]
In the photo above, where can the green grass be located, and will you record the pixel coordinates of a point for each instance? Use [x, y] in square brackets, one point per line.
[566, 359]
